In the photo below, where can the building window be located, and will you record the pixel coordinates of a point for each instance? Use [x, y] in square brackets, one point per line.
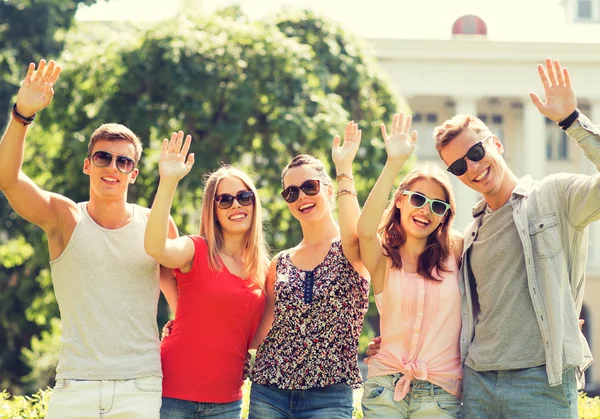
[584, 9]
[587, 10]
[557, 142]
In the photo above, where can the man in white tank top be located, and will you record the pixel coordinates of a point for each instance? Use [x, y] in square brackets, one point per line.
[106, 286]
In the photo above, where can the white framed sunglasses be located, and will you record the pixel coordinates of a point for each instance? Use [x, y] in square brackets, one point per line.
[418, 200]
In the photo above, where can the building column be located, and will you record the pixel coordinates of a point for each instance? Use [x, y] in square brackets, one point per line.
[533, 140]
[464, 196]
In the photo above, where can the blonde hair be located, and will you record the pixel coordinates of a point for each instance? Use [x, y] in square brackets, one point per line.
[115, 132]
[255, 252]
[454, 126]
[439, 242]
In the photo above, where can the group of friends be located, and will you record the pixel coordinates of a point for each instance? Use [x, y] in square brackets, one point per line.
[480, 325]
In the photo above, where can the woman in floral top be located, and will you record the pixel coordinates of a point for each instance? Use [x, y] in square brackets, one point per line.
[317, 295]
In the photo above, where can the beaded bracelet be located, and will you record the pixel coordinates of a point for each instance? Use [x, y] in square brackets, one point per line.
[23, 120]
[345, 192]
[344, 176]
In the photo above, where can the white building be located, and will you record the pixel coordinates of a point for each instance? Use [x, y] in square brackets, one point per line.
[470, 73]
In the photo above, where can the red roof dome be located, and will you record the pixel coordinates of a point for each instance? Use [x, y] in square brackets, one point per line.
[469, 25]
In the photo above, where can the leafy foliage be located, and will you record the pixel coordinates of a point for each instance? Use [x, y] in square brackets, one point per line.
[250, 93]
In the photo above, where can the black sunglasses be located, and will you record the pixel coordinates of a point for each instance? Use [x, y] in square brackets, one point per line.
[309, 187]
[244, 198]
[104, 158]
[418, 200]
[475, 153]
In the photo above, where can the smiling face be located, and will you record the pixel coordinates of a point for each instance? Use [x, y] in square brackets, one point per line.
[109, 181]
[236, 219]
[485, 176]
[308, 208]
[419, 223]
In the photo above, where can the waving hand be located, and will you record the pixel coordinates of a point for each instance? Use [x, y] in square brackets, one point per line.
[560, 96]
[37, 91]
[172, 163]
[400, 144]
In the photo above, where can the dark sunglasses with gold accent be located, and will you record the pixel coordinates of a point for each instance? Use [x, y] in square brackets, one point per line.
[104, 158]
[310, 187]
[225, 200]
[475, 153]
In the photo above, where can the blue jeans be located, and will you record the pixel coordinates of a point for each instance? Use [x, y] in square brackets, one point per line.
[184, 409]
[523, 394]
[424, 400]
[271, 402]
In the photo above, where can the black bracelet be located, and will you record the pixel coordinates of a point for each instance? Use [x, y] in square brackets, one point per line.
[20, 118]
[568, 121]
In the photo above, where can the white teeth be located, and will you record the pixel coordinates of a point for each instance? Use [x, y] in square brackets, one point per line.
[109, 179]
[305, 206]
[422, 220]
[482, 175]
[237, 217]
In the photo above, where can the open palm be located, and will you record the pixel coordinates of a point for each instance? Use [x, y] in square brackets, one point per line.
[172, 163]
[400, 144]
[560, 96]
[344, 155]
[37, 91]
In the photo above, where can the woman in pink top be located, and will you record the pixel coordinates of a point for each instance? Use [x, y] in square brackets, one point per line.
[412, 256]
[219, 298]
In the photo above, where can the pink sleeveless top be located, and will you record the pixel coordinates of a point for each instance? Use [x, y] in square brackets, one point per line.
[420, 330]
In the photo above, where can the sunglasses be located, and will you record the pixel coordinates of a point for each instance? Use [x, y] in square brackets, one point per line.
[104, 158]
[309, 187]
[418, 200]
[244, 198]
[475, 153]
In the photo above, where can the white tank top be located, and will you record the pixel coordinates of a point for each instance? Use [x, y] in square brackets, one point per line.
[107, 289]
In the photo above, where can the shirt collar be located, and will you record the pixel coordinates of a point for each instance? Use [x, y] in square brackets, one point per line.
[522, 189]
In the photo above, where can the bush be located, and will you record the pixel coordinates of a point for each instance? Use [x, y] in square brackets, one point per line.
[34, 407]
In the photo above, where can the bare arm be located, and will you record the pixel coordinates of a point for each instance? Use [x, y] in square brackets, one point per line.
[169, 252]
[35, 205]
[268, 316]
[168, 283]
[399, 147]
[348, 210]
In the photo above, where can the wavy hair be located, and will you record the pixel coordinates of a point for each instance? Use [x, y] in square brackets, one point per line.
[255, 253]
[439, 243]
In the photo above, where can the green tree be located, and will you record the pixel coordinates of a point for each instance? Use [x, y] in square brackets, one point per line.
[250, 93]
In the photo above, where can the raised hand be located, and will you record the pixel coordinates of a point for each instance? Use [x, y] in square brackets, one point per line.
[343, 155]
[400, 144]
[36, 92]
[172, 163]
[560, 97]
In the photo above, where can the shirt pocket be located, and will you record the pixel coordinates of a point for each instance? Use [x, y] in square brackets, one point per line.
[545, 236]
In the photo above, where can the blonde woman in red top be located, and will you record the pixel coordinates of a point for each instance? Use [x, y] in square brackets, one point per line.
[219, 299]
[413, 257]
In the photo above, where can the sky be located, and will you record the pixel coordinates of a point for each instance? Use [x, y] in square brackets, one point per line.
[507, 20]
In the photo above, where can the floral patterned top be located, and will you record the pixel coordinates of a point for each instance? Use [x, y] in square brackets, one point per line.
[318, 319]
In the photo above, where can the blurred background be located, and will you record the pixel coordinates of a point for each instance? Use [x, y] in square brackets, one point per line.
[257, 82]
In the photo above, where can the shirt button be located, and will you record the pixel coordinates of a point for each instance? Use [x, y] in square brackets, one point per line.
[416, 335]
[419, 314]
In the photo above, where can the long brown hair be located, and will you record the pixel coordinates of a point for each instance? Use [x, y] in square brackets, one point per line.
[439, 242]
[255, 253]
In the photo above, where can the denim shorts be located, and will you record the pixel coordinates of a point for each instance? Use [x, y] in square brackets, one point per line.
[424, 400]
[523, 394]
[184, 409]
[271, 402]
